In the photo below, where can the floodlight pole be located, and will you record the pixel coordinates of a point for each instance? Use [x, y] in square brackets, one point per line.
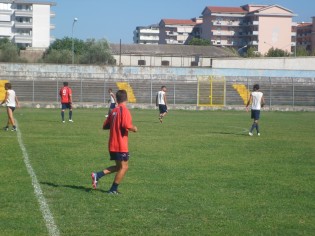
[74, 21]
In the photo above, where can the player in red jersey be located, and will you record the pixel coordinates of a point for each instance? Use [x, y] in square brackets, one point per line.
[66, 101]
[119, 122]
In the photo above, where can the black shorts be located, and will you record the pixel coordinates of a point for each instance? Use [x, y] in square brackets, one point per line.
[255, 114]
[12, 108]
[66, 106]
[119, 156]
[162, 108]
[112, 105]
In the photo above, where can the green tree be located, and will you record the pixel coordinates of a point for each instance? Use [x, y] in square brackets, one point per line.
[9, 52]
[199, 42]
[251, 52]
[63, 56]
[98, 52]
[302, 52]
[276, 52]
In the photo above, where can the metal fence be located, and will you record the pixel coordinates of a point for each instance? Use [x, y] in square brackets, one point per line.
[181, 90]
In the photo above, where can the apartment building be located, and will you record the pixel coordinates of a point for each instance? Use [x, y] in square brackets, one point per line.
[174, 31]
[26, 23]
[304, 35]
[146, 34]
[258, 26]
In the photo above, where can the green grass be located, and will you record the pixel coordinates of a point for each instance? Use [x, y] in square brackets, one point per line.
[199, 173]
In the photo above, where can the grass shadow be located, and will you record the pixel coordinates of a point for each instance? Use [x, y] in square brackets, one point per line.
[81, 188]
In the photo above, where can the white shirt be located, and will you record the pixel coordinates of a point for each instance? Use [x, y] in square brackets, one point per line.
[112, 100]
[10, 102]
[161, 95]
[256, 100]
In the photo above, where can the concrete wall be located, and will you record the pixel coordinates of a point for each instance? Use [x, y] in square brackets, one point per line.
[277, 63]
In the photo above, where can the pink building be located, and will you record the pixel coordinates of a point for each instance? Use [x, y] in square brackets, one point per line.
[258, 26]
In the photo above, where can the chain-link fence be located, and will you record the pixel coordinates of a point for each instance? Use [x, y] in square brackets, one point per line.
[181, 90]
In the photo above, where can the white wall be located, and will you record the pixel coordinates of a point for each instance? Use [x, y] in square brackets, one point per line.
[286, 63]
[41, 26]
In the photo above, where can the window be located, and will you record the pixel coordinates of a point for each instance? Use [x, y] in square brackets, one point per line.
[141, 62]
[165, 63]
[194, 63]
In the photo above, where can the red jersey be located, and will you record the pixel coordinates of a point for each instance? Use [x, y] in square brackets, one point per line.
[65, 94]
[120, 121]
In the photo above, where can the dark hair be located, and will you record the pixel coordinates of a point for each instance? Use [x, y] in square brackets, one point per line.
[7, 86]
[163, 87]
[121, 96]
[256, 87]
[65, 83]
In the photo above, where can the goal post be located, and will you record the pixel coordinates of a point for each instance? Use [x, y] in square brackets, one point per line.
[211, 91]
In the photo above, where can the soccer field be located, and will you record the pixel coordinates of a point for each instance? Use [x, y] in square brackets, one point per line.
[198, 173]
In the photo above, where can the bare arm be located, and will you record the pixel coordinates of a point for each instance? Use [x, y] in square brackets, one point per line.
[156, 100]
[17, 101]
[165, 99]
[133, 129]
[249, 100]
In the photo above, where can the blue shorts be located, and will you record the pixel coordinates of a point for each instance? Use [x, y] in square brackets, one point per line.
[255, 114]
[162, 108]
[112, 105]
[119, 156]
[66, 106]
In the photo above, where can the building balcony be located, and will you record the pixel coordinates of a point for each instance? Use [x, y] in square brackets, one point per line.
[24, 13]
[226, 23]
[23, 38]
[224, 33]
[253, 43]
[149, 31]
[148, 38]
[23, 25]
[52, 26]
[52, 14]
[5, 24]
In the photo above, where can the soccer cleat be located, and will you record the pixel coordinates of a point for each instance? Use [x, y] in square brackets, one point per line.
[94, 180]
[6, 128]
[250, 134]
[161, 120]
[13, 129]
[258, 134]
[70, 120]
[113, 192]
[63, 121]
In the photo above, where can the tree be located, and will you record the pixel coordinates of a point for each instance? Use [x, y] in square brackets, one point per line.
[199, 42]
[302, 52]
[98, 52]
[86, 52]
[9, 52]
[276, 52]
[63, 56]
[251, 52]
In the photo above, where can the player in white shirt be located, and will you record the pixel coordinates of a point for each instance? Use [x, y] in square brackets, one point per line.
[257, 100]
[161, 103]
[11, 102]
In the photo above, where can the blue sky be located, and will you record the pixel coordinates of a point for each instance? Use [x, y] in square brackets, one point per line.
[117, 19]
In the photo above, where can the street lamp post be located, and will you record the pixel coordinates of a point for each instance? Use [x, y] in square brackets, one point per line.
[74, 20]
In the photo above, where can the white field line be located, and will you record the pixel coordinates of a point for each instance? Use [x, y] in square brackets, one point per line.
[48, 217]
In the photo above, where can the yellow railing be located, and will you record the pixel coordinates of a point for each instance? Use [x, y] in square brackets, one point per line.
[242, 91]
[2, 90]
[126, 86]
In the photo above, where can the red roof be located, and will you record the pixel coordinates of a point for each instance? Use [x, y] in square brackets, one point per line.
[226, 9]
[178, 22]
[304, 24]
